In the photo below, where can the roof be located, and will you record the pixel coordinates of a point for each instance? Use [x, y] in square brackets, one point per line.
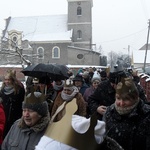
[144, 47]
[139, 56]
[41, 28]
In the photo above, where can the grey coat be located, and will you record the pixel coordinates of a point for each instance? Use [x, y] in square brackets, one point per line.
[20, 137]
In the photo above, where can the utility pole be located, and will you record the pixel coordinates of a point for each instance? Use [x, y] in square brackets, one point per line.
[146, 45]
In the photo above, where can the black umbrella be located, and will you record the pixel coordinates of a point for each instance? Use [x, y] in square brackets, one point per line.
[44, 70]
[64, 70]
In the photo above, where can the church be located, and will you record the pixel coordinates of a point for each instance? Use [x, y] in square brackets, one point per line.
[58, 39]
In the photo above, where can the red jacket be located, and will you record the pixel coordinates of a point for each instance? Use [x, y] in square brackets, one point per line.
[2, 122]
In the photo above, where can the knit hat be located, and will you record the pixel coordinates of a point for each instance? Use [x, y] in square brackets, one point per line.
[68, 84]
[127, 86]
[96, 76]
[36, 101]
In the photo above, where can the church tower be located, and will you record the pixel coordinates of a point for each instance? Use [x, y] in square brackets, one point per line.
[80, 21]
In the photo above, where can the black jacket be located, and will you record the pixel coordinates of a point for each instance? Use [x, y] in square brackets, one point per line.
[131, 131]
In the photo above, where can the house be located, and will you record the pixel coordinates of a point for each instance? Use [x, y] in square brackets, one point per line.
[62, 39]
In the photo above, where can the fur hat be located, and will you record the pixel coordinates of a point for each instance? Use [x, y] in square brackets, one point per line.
[127, 86]
[36, 101]
[68, 84]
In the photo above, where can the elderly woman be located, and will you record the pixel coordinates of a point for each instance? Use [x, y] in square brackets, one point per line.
[68, 94]
[27, 131]
[128, 119]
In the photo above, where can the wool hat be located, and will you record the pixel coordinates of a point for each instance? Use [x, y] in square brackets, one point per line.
[126, 86]
[96, 76]
[36, 101]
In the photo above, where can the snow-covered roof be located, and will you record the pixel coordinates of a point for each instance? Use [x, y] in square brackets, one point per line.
[139, 56]
[42, 28]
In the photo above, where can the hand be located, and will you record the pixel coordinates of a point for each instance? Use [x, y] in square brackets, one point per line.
[101, 109]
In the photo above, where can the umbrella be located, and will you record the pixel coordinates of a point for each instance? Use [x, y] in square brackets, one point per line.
[63, 69]
[44, 70]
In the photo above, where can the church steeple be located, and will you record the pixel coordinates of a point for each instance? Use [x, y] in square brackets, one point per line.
[80, 20]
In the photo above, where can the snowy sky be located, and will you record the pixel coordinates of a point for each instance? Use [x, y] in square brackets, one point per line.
[116, 23]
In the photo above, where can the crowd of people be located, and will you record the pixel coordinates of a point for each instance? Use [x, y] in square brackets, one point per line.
[31, 115]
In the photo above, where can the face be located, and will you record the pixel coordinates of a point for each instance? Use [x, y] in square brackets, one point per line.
[7, 81]
[95, 83]
[123, 103]
[59, 82]
[78, 83]
[67, 91]
[30, 117]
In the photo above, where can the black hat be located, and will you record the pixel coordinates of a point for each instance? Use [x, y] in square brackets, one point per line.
[78, 78]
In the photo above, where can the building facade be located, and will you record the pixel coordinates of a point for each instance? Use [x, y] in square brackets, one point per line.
[62, 39]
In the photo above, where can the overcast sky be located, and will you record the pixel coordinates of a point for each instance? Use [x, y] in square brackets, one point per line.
[116, 23]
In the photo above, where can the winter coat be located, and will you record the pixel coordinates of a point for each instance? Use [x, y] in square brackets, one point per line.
[59, 101]
[21, 137]
[89, 91]
[12, 107]
[2, 122]
[83, 88]
[131, 131]
[103, 95]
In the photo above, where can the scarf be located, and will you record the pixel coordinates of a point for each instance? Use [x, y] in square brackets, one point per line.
[67, 97]
[8, 90]
[58, 87]
[126, 110]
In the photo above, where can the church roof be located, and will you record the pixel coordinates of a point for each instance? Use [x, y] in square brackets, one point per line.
[41, 28]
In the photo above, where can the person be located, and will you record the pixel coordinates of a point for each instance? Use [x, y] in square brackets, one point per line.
[2, 122]
[103, 75]
[68, 93]
[128, 119]
[26, 132]
[89, 91]
[104, 95]
[86, 78]
[58, 85]
[12, 94]
[78, 81]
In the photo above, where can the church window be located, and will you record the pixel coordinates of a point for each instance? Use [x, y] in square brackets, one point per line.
[79, 34]
[56, 52]
[40, 52]
[79, 11]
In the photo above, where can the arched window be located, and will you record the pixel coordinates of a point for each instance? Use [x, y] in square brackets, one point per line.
[14, 41]
[40, 52]
[56, 52]
[79, 34]
[79, 11]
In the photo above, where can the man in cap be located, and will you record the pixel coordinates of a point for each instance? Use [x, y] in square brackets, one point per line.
[26, 132]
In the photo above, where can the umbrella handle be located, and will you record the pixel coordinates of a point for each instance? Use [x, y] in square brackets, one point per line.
[45, 89]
